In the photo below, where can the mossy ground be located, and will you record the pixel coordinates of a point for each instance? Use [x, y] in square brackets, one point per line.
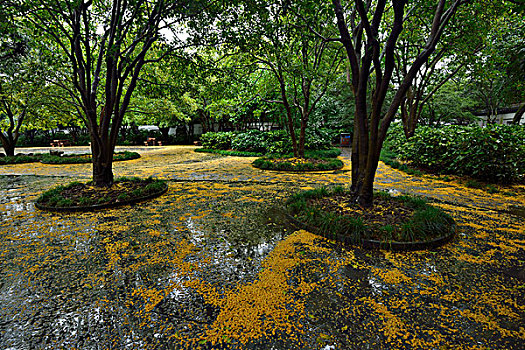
[207, 264]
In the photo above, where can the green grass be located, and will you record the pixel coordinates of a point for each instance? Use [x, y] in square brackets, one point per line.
[82, 196]
[229, 153]
[85, 158]
[329, 153]
[271, 163]
[20, 159]
[427, 222]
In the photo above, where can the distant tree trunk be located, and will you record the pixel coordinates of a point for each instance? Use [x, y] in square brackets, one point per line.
[165, 132]
[409, 112]
[519, 114]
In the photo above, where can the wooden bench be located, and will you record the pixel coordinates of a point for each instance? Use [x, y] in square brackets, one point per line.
[60, 143]
[151, 141]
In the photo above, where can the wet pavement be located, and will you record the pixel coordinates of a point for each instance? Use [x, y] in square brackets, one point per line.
[207, 265]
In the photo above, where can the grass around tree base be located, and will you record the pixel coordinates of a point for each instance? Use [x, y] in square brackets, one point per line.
[78, 196]
[402, 220]
[327, 153]
[85, 158]
[297, 164]
[20, 159]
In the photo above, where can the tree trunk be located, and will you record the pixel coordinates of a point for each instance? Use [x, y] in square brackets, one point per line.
[9, 149]
[165, 133]
[302, 136]
[102, 158]
[519, 114]
[9, 144]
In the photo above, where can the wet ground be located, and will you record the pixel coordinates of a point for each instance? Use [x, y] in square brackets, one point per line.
[208, 266]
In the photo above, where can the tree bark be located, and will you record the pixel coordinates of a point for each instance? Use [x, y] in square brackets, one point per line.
[102, 159]
[519, 114]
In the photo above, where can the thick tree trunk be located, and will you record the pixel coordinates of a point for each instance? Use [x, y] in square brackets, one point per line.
[102, 158]
[9, 150]
[9, 144]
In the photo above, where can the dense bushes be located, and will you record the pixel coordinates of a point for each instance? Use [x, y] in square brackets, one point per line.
[269, 142]
[495, 153]
[217, 140]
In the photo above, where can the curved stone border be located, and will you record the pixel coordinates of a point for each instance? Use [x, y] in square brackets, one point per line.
[376, 245]
[102, 206]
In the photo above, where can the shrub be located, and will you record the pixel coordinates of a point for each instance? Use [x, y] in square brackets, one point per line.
[267, 142]
[217, 140]
[495, 153]
[278, 142]
[319, 139]
[250, 141]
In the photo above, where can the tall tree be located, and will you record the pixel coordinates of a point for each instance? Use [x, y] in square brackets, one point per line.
[286, 39]
[23, 90]
[462, 39]
[369, 32]
[106, 45]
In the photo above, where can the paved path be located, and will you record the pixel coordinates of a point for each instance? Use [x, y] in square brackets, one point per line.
[207, 266]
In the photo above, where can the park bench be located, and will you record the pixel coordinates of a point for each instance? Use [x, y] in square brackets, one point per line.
[151, 141]
[60, 143]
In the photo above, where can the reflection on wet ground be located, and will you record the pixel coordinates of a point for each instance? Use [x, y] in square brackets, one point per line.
[207, 265]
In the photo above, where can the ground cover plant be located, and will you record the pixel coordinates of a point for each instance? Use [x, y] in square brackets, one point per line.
[84, 158]
[297, 164]
[19, 159]
[495, 153]
[393, 219]
[229, 153]
[77, 195]
[314, 161]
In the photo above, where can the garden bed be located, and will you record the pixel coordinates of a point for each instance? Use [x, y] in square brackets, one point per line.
[85, 196]
[84, 158]
[20, 159]
[228, 152]
[396, 223]
[297, 164]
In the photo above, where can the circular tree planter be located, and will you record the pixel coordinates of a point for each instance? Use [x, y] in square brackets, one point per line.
[85, 158]
[85, 197]
[21, 159]
[297, 164]
[395, 223]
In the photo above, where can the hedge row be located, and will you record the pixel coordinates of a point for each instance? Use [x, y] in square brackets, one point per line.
[494, 153]
[265, 142]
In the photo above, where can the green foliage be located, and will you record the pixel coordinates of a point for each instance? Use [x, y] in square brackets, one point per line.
[20, 159]
[495, 153]
[320, 138]
[85, 158]
[229, 153]
[427, 222]
[278, 142]
[268, 142]
[217, 140]
[250, 141]
[308, 164]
